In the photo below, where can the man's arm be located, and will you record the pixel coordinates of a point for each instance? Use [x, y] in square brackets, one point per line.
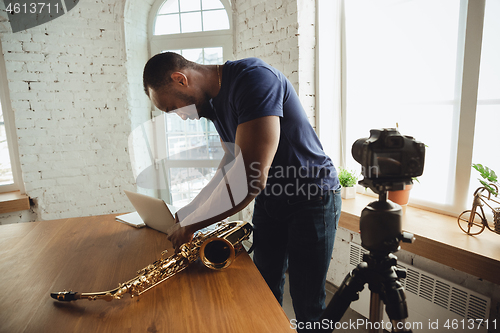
[258, 140]
[208, 189]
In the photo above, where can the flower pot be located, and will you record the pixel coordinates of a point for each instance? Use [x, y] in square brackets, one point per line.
[401, 197]
[348, 192]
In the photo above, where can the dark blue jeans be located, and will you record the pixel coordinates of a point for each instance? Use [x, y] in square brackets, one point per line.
[297, 234]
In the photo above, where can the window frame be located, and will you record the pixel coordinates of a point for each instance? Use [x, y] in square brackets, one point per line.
[10, 131]
[203, 39]
[469, 56]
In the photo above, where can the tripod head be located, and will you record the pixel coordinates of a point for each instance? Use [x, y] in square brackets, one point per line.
[380, 222]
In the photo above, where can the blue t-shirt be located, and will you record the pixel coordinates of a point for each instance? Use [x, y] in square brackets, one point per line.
[252, 89]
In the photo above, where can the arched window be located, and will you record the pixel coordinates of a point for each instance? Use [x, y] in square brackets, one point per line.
[198, 29]
[177, 16]
[201, 31]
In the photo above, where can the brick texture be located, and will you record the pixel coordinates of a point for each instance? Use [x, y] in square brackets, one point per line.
[282, 33]
[70, 87]
[75, 85]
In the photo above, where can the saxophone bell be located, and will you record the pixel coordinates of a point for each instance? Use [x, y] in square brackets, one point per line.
[217, 253]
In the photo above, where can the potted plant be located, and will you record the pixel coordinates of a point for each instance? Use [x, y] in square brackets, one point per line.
[488, 175]
[347, 180]
[401, 197]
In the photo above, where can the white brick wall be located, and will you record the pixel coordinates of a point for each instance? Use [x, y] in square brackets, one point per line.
[18, 217]
[307, 56]
[71, 101]
[282, 33]
[267, 30]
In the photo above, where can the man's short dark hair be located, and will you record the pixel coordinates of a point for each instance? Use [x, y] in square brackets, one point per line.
[158, 69]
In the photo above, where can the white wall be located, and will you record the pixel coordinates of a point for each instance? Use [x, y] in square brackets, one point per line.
[70, 98]
[282, 33]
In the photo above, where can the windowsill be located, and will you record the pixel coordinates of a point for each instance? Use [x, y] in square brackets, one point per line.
[13, 202]
[438, 238]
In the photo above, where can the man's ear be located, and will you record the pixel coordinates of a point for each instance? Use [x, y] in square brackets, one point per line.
[179, 78]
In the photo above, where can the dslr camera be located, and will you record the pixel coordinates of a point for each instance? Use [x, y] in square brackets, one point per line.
[388, 159]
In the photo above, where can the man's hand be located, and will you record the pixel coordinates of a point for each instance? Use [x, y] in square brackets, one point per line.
[180, 236]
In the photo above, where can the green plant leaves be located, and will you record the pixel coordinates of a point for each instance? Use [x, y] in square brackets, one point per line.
[346, 178]
[488, 175]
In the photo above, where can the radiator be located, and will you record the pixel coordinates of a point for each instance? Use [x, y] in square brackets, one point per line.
[434, 304]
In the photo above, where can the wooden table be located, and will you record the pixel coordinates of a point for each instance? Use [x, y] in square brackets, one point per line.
[93, 254]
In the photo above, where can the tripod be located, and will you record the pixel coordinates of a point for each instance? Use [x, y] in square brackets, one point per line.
[381, 233]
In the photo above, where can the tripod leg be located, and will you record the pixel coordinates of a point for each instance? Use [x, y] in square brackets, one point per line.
[383, 279]
[348, 291]
[376, 315]
[395, 306]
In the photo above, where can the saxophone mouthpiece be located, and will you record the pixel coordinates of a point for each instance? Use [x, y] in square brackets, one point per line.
[65, 296]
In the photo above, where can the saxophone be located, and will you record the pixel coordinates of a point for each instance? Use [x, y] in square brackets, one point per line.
[216, 249]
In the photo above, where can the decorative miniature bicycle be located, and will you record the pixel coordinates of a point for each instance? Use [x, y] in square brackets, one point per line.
[473, 222]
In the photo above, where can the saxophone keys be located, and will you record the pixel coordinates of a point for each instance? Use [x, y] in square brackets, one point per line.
[162, 269]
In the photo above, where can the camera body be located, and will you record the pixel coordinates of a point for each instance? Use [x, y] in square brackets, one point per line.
[389, 158]
[388, 161]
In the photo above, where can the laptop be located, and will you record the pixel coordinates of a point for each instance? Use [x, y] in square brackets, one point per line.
[155, 213]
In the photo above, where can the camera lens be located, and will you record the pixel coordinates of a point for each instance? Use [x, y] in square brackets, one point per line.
[357, 150]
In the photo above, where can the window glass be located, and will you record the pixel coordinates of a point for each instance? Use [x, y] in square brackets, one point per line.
[190, 5]
[401, 72]
[193, 147]
[206, 55]
[489, 75]
[215, 20]
[195, 55]
[212, 55]
[186, 16]
[186, 183]
[191, 22]
[192, 140]
[488, 104]
[212, 4]
[167, 24]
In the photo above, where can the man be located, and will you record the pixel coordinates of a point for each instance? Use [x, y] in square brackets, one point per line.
[297, 206]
